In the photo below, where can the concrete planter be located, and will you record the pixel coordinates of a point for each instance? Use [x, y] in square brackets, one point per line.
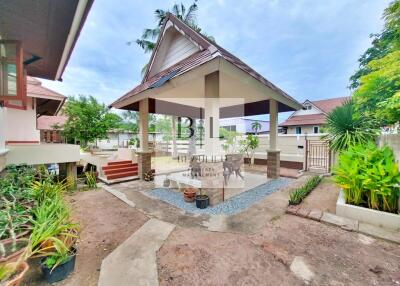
[370, 216]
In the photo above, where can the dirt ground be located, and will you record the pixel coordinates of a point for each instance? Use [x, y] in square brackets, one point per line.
[335, 256]
[105, 223]
[323, 197]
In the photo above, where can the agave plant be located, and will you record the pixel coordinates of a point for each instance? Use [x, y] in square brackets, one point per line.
[345, 128]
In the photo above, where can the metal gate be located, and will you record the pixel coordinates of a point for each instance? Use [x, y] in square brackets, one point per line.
[318, 155]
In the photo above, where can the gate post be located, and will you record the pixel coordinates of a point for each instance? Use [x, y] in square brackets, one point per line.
[305, 153]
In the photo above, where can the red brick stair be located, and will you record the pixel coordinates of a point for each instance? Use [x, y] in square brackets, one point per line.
[120, 169]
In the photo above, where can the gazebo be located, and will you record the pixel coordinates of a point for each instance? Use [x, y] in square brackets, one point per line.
[189, 75]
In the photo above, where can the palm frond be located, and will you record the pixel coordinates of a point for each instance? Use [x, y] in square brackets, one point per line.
[150, 33]
[146, 45]
[160, 16]
[346, 129]
[190, 16]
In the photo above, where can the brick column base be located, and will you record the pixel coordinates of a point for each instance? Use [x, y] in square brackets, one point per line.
[144, 163]
[273, 164]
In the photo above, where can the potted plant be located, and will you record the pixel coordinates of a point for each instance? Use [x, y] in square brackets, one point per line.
[149, 176]
[11, 274]
[202, 200]
[189, 195]
[59, 264]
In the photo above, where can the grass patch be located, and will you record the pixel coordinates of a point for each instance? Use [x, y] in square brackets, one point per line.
[298, 195]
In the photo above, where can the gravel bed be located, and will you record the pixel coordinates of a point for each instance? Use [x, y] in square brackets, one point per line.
[231, 206]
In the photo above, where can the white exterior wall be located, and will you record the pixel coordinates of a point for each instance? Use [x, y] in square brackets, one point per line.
[309, 129]
[22, 124]
[3, 128]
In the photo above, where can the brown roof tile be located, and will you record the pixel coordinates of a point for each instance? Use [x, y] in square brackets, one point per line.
[210, 51]
[310, 119]
[327, 105]
[48, 122]
[35, 89]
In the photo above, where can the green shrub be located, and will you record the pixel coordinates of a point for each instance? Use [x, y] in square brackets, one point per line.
[369, 177]
[91, 179]
[297, 196]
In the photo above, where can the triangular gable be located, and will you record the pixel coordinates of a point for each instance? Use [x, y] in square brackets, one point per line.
[176, 42]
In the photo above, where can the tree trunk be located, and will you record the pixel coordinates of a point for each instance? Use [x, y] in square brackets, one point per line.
[174, 146]
[192, 141]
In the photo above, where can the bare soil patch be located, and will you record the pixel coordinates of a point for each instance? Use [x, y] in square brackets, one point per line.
[323, 197]
[335, 256]
[105, 223]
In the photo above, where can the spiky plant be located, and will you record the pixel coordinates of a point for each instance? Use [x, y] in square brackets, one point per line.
[346, 128]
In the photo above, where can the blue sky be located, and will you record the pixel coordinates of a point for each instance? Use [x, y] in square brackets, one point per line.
[309, 48]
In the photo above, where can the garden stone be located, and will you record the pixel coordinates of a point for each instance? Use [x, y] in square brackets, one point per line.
[301, 270]
[315, 215]
[345, 223]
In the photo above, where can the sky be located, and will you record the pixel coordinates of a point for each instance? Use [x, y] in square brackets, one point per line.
[308, 48]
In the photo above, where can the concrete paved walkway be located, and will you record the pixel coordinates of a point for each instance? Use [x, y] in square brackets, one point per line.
[134, 261]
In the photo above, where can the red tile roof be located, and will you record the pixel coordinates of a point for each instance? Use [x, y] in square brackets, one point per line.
[35, 89]
[210, 50]
[327, 105]
[311, 119]
[48, 122]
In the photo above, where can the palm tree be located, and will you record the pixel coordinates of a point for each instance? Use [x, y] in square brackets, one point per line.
[148, 40]
[346, 128]
[256, 126]
[188, 15]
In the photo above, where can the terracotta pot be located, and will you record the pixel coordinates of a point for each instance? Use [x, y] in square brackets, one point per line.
[22, 268]
[14, 256]
[189, 195]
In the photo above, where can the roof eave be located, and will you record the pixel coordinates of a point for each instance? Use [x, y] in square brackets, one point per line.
[80, 16]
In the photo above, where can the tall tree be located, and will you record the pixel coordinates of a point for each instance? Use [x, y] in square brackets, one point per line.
[377, 82]
[256, 126]
[88, 120]
[149, 36]
[382, 43]
[188, 15]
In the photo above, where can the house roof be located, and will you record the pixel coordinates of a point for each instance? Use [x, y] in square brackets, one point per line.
[310, 119]
[48, 101]
[324, 105]
[327, 105]
[209, 51]
[35, 89]
[48, 122]
[47, 29]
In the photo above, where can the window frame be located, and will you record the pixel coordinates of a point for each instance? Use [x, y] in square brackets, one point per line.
[317, 129]
[20, 86]
[299, 129]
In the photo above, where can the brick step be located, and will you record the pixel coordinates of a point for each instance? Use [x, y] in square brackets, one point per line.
[113, 167]
[119, 162]
[122, 175]
[120, 170]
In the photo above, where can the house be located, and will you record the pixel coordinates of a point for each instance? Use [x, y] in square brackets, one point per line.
[243, 125]
[36, 41]
[48, 131]
[189, 75]
[312, 118]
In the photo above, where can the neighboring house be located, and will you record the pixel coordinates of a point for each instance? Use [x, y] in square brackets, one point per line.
[312, 118]
[36, 40]
[48, 132]
[243, 125]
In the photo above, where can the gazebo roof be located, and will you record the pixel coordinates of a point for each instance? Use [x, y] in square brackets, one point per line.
[158, 73]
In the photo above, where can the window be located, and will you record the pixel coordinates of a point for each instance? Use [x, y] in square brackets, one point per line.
[307, 106]
[316, 129]
[298, 130]
[11, 71]
[230, 127]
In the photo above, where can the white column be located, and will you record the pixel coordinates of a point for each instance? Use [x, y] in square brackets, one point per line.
[144, 124]
[211, 115]
[174, 146]
[273, 124]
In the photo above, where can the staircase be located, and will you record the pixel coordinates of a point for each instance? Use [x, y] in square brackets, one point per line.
[120, 170]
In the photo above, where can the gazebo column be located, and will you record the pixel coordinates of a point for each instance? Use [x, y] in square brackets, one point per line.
[144, 154]
[273, 160]
[211, 115]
